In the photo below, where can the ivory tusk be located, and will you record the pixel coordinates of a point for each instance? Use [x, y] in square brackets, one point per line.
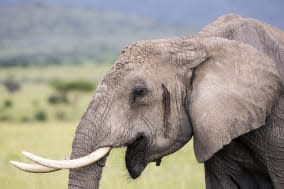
[70, 164]
[33, 168]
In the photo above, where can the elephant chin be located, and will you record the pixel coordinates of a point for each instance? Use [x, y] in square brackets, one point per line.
[136, 157]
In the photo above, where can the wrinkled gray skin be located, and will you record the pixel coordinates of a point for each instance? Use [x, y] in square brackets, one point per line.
[222, 85]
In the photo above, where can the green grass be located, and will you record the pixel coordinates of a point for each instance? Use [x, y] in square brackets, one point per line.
[179, 170]
[33, 98]
[34, 92]
[38, 75]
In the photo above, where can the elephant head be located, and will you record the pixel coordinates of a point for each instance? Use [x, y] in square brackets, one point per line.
[160, 93]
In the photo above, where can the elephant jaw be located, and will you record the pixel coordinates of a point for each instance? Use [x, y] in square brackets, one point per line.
[136, 157]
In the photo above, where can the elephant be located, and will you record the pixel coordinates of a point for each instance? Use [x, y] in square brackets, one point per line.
[222, 86]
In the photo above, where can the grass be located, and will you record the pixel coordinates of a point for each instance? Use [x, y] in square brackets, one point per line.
[34, 92]
[53, 139]
[33, 98]
[37, 75]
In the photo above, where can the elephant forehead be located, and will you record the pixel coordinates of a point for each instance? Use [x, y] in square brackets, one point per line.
[141, 55]
[131, 58]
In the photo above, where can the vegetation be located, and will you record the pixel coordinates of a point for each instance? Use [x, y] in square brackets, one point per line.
[7, 103]
[37, 101]
[11, 85]
[40, 115]
[63, 88]
[54, 139]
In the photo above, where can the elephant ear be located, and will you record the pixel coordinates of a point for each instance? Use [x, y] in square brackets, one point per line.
[233, 91]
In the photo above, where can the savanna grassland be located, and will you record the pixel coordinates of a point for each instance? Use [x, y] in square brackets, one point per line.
[52, 136]
[35, 89]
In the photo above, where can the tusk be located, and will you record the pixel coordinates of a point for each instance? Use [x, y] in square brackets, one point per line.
[70, 164]
[33, 168]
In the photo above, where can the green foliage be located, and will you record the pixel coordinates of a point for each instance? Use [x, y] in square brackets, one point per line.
[36, 90]
[5, 117]
[75, 85]
[4, 110]
[63, 88]
[59, 86]
[7, 103]
[55, 99]
[80, 85]
[11, 85]
[40, 115]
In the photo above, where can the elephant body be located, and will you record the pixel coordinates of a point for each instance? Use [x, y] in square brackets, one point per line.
[248, 150]
[254, 160]
[223, 87]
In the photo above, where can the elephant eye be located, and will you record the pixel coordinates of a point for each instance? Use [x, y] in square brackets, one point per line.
[138, 92]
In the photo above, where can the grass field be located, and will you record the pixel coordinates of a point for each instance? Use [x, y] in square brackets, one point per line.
[92, 72]
[35, 90]
[53, 139]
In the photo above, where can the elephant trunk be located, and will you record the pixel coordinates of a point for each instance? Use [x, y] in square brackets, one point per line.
[86, 177]
[90, 135]
[91, 145]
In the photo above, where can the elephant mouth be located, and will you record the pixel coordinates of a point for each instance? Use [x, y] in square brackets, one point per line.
[138, 155]
[135, 157]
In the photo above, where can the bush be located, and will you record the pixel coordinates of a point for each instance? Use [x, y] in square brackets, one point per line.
[8, 104]
[5, 118]
[41, 116]
[63, 88]
[76, 85]
[54, 99]
[80, 85]
[11, 85]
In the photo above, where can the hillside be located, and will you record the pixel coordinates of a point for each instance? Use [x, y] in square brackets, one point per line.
[40, 33]
[195, 13]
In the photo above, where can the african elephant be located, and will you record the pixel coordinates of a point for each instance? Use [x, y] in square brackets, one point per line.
[222, 86]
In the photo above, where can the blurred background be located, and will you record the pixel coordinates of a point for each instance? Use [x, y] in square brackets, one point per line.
[53, 54]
